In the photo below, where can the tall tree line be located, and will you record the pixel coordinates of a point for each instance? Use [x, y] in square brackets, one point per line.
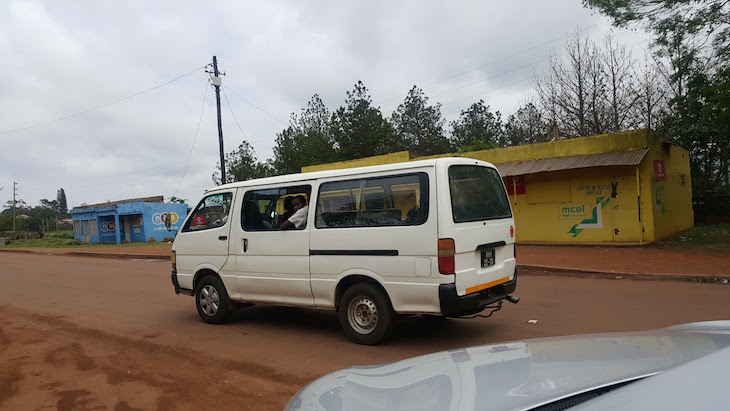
[41, 218]
[359, 129]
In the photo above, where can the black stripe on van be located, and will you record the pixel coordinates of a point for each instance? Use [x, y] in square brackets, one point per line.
[380, 253]
[492, 245]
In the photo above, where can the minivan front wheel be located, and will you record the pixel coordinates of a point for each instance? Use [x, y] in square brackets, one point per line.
[211, 299]
[366, 315]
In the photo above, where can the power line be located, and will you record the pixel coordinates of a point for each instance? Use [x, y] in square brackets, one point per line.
[518, 81]
[114, 181]
[239, 126]
[106, 179]
[197, 131]
[200, 120]
[191, 171]
[101, 106]
[490, 90]
[493, 62]
[492, 77]
[254, 106]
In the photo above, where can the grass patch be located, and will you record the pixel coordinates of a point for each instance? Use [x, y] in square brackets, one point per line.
[45, 242]
[61, 240]
[700, 238]
[68, 234]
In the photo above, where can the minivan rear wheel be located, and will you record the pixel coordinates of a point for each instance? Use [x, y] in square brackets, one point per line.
[366, 314]
[212, 301]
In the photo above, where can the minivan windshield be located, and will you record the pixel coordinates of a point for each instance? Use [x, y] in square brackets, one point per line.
[477, 193]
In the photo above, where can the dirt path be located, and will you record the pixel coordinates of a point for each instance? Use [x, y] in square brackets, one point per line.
[639, 260]
[91, 333]
[610, 259]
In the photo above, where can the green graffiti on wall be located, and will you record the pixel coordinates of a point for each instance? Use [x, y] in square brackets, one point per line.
[594, 222]
[658, 190]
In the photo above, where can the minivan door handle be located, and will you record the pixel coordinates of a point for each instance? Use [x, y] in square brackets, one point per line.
[245, 245]
[223, 237]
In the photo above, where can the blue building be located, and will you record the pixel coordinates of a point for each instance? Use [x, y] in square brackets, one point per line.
[134, 220]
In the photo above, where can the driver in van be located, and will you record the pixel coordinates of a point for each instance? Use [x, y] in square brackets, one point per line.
[299, 219]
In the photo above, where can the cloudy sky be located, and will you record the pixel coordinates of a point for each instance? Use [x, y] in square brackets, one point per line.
[68, 68]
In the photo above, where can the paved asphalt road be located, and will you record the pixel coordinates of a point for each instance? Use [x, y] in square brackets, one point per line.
[89, 333]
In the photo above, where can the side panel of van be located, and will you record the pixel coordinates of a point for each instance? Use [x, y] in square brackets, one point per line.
[202, 243]
[380, 238]
[475, 212]
[272, 265]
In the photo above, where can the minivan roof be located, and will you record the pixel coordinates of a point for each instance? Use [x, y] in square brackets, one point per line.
[300, 177]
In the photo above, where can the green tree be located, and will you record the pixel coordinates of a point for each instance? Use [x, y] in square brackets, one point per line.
[526, 126]
[61, 200]
[50, 204]
[700, 122]
[286, 151]
[306, 141]
[700, 20]
[20, 205]
[6, 220]
[41, 219]
[694, 37]
[419, 127]
[241, 165]
[477, 127]
[359, 129]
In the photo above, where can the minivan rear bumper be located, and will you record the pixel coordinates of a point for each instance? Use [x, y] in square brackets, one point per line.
[176, 284]
[453, 305]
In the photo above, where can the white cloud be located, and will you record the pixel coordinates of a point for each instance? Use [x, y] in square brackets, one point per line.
[63, 57]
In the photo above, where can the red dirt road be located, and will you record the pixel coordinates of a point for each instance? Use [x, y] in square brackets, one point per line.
[637, 260]
[89, 333]
[605, 258]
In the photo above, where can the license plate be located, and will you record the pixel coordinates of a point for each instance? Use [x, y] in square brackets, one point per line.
[488, 257]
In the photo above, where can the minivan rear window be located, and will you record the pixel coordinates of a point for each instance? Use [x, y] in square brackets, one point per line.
[477, 193]
[399, 200]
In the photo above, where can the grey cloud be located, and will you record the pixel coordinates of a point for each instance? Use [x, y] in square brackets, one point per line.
[62, 57]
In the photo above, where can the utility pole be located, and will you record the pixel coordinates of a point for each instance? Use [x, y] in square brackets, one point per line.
[15, 190]
[216, 80]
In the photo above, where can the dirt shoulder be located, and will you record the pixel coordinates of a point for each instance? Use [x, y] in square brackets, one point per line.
[634, 260]
[162, 250]
[600, 259]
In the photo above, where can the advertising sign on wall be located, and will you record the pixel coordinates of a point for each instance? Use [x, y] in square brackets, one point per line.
[107, 229]
[660, 171]
[519, 186]
[568, 211]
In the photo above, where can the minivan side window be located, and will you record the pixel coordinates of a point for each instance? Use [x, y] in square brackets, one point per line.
[477, 193]
[373, 202]
[268, 209]
[211, 212]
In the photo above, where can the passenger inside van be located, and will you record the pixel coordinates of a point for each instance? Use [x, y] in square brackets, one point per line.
[252, 218]
[288, 210]
[299, 219]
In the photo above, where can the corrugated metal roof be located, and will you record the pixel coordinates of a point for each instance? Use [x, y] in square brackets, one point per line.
[617, 158]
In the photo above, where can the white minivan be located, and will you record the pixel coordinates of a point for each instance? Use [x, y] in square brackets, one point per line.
[431, 237]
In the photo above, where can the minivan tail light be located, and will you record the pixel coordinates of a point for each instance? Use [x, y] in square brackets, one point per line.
[447, 250]
[173, 260]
